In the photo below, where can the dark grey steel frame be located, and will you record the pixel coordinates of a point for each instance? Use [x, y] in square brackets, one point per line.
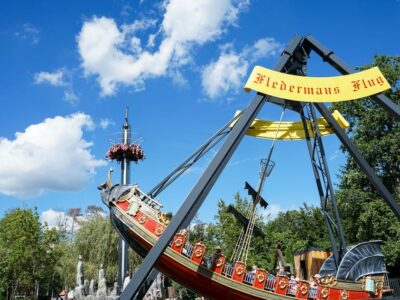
[291, 60]
[324, 183]
[123, 259]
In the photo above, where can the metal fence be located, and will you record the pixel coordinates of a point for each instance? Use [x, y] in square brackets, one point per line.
[395, 285]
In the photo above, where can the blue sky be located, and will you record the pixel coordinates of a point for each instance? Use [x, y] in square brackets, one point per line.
[69, 69]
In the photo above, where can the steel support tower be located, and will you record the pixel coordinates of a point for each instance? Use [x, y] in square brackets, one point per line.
[293, 61]
[123, 259]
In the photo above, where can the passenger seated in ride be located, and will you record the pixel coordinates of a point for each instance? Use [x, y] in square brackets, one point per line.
[211, 264]
[281, 270]
[183, 232]
[315, 280]
[270, 282]
[293, 282]
[253, 272]
[135, 188]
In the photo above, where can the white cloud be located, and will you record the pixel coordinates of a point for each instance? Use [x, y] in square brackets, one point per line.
[49, 156]
[138, 25]
[224, 74]
[60, 78]
[151, 40]
[28, 32]
[243, 161]
[70, 96]
[105, 123]
[56, 219]
[197, 21]
[117, 57]
[228, 72]
[262, 48]
[62, 221]
[55, 79]
[126, 10]
[178, 79]
[335, 154]
[195, 170]
[272, 211]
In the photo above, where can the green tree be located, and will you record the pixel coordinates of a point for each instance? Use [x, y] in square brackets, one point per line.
[184, 293]
[29, 254]
[376, 134]
[97, 241]
[226, 230]
[298, 230]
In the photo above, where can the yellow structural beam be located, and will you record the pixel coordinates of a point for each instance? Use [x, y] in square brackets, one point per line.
[290, 130]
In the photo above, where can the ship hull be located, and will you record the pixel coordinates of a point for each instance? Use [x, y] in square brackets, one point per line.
[198, 277]
[198, 281]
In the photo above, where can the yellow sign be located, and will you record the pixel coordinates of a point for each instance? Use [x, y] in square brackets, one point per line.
[317, 89]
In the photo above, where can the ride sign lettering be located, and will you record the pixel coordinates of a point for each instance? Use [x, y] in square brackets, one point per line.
[317, 89]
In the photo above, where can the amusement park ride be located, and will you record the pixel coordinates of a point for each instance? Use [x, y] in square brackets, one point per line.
[351, 272]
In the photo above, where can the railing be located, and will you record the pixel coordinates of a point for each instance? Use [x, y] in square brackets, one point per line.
[395, 285]
[249, 278]
[227, 271]
[270, 284]
[153, 203]
[292, 289]
[207, 261]
[270, 281]
[187, 250]
[313, 292]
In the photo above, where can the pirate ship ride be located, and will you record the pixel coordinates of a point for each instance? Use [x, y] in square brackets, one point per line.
[351, 272]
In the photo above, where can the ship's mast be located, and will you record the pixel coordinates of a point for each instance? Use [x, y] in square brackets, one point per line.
[123, 261]
[242, 247]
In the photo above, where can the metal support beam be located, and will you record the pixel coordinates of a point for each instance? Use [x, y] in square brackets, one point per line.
[328, 56]
[330, 193]
[196, 197]
[318, 159]
[123, 259]
[287, 56]
[141, 294]
[362, 163]
[321, 192]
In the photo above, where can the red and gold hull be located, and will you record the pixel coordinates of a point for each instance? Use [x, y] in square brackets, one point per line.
[141, 231]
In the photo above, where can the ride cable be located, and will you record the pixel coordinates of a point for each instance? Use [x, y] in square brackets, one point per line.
[193, 158]
[242, 247]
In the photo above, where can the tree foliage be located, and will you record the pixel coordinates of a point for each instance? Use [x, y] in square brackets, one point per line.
[226, 230]
[29, 254]
[376, 134]
[296, 229]
[97, 242]
[35, 256]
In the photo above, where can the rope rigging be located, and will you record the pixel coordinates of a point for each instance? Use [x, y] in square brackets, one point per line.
[242, 246]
